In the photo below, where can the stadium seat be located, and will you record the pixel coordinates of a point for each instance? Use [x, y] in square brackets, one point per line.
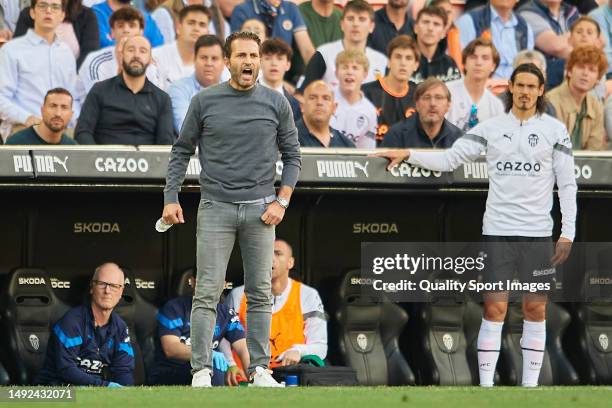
[556, 368]
[435, 343]
[589, 342]
[4, 377]
[29, 308]
[368, 336]
[140, 316]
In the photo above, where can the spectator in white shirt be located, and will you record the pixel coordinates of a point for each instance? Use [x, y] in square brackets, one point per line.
[33, 64]
[355, 116]
[471, 101]
[175, 61]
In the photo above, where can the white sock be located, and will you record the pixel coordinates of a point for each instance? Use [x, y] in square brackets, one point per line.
[533, 344]
[489, 343]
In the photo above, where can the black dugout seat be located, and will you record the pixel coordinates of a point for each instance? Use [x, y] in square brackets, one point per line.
[589, 342]
[29, 308]
[556, 368]
[368, 331]
[140, 317]
[435, 342]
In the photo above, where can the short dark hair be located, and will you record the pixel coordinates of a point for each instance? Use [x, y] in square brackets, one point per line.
[586, 19]
[276, 46]
[528, 68]
[58, 91]
[358, 6]
[208, 40]
[126, 14]
[405, 42]
[470, 49]
[33, 4]
[194, 8]
[436, 3]
[240, 35]
[429, 83]
[433, 11]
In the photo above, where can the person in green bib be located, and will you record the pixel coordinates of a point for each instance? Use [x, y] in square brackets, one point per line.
[56, 113]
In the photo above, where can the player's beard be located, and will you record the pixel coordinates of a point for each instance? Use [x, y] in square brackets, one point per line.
[236, 74]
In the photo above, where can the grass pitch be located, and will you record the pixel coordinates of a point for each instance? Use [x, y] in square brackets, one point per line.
[342, 397]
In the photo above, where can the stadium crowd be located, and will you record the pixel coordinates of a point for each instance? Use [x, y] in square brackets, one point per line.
[396, 74]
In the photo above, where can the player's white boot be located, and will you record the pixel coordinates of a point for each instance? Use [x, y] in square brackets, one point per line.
[263, 378]
[202, 379]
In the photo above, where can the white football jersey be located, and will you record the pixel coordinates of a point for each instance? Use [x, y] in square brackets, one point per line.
[329, 51]
[524, 160]
[357, 121]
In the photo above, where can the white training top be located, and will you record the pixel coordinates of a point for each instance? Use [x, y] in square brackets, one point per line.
[524, 159]
[357, 121]
[329, 51]
[170, 65]
[315, 324]
[488, 106]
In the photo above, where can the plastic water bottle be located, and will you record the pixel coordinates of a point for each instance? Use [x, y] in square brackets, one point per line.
[161, 226]
[291, 381]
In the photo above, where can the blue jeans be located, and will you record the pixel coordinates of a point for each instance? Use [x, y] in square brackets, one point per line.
[219, 224]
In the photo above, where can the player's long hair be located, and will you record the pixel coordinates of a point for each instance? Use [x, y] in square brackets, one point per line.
[530, 69]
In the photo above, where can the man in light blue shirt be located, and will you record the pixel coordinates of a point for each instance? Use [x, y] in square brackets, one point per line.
[32, 64]
[103, 12]
[209, 70]
[496, 21]
[603, 16]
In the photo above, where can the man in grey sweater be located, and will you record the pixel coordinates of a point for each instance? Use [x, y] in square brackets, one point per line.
[239, 127]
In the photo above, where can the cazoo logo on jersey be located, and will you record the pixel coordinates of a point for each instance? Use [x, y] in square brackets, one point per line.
[45, 163]
[342, 169]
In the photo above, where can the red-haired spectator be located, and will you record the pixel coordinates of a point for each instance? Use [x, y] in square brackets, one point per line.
[580, 110]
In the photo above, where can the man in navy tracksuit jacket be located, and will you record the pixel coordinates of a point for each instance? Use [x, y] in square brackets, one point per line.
[90, 344]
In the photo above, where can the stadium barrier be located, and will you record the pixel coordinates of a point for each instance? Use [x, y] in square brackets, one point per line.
[67, 210]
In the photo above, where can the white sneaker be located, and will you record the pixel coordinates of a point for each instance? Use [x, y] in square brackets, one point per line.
[202, 379]
[263, 378]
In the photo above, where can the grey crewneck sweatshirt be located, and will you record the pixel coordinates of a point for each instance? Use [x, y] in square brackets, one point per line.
[239, 135]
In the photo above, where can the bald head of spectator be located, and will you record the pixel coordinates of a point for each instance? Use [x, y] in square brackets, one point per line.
[256, 26]
[584, 68]
[585, 31]
[319, 105]
[47, 15]
[357, 22]
[126, 22]
[107, 286]
[136, 56]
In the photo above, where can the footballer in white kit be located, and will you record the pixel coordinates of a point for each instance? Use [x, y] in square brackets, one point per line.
[527, 152]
